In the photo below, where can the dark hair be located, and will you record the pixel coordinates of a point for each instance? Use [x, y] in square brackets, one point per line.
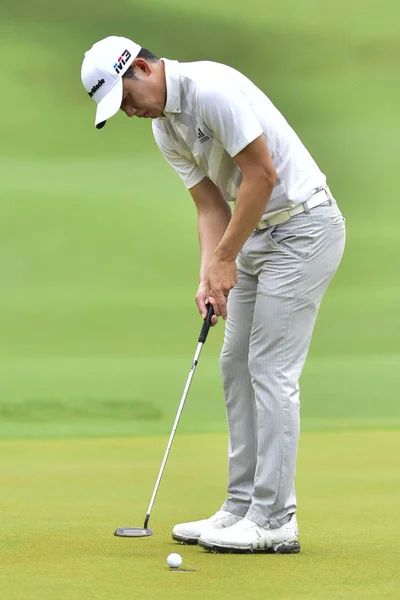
[144, 53]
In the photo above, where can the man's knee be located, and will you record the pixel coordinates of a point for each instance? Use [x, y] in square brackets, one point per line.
[233, 357]
[258, 364]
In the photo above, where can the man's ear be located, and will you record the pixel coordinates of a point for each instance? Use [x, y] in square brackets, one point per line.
[142, 65]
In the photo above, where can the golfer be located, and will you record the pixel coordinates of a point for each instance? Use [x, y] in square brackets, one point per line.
[264, 267]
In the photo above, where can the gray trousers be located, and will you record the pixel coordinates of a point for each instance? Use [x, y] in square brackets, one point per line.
[283, 273]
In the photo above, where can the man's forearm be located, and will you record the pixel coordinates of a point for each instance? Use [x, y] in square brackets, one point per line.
[251, 202]
[212, 226]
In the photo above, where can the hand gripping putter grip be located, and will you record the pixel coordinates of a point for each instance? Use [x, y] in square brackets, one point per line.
[145, 531]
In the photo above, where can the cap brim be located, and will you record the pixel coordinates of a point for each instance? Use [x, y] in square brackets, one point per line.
[109, 105]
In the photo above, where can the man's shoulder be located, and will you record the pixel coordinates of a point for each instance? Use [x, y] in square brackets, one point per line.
[200, 66]
[205, 83]
[207, 74]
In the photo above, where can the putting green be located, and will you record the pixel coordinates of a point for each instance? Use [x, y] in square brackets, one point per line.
[61, 501]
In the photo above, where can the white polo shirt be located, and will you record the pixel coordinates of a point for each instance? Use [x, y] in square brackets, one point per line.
[212, 112]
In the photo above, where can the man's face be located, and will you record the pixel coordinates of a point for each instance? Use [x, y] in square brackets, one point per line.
[144, 96]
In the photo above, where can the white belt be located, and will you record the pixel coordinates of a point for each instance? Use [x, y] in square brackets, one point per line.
[283, 216]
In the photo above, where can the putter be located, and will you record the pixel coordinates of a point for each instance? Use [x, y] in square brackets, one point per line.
[145, 531]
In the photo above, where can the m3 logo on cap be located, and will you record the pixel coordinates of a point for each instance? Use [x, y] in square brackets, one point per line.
[121, 62]
[96, 87]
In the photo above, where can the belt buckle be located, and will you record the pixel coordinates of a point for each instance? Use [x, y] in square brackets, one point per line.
[281, 217]
[261, 225]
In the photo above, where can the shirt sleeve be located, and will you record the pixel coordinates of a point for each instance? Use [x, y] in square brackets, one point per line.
[230, 116]
[187, 169]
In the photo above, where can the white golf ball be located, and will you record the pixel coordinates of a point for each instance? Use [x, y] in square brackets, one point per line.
[174, 560]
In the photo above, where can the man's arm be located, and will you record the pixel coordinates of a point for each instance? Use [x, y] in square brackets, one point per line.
[258, 180]
[214, 214]
[230, 115]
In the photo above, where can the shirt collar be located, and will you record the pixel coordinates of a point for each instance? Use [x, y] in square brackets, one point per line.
[173, 83]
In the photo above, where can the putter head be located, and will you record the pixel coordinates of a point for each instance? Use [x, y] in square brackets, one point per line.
[133, 532]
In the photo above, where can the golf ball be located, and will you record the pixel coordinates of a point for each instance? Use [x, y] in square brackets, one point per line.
[174, 560]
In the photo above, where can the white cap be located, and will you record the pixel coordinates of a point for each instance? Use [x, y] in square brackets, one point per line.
[101, 73]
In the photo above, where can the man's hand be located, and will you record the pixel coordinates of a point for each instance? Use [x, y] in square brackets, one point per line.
[221, 278]
[202, 299]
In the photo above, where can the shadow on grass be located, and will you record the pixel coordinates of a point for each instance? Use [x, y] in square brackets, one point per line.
[49, 410]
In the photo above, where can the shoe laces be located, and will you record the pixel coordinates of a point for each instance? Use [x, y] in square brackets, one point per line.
[245, 524]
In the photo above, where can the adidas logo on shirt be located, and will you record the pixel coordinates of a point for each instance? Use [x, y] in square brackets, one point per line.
[202, 136]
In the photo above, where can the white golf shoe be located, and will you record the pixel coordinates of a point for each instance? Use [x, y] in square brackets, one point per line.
[189, 533]
[247, 536]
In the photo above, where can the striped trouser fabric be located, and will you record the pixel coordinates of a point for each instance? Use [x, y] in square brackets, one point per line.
[283, 273]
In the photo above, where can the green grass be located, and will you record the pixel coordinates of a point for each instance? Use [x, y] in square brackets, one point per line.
[97, 304]
[100, 396]
[62, 500]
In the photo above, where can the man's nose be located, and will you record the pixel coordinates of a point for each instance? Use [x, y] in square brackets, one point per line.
[129, 110]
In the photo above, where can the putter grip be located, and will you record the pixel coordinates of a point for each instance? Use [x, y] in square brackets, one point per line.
[206, 325]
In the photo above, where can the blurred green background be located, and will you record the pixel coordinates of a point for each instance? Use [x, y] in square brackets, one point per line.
[99, 253]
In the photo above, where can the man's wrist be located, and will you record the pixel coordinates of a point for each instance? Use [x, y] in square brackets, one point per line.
[225, 254]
